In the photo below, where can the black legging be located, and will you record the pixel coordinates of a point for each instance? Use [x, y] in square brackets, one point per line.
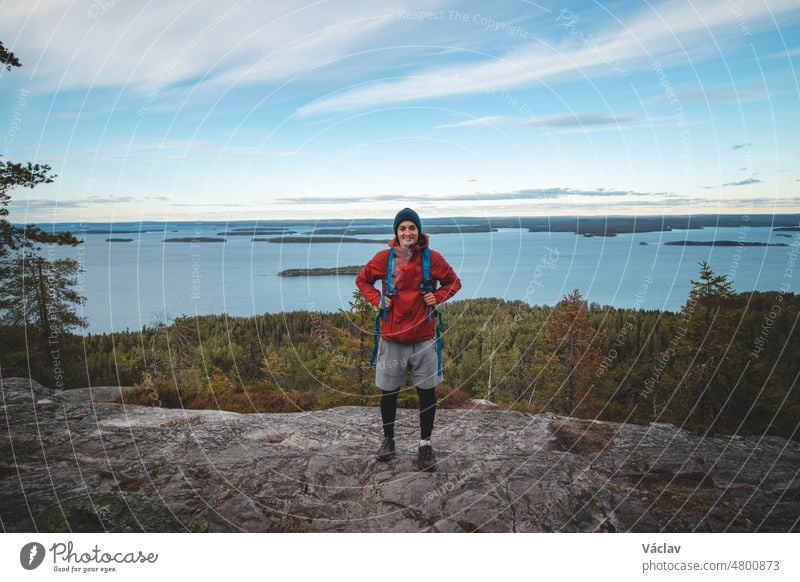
[427, 411]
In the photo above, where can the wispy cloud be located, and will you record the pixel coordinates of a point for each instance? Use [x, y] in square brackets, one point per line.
[209, 204]
[72, 202]
[487, 120]
[795, 52]
[152, 47]
[745, 182]
[786, 203]
[659, 31]
[584, 119]
[528, 194]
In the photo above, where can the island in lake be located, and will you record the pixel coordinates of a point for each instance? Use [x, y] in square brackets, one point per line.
[317, 271]
[721, 243]
[256, 232]
[194, 239]
[119, 239]
[787, 229]
[112, 231]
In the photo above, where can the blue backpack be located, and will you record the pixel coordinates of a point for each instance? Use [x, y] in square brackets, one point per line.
[426, 286]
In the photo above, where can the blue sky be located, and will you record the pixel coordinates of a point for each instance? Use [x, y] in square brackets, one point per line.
[238, 110]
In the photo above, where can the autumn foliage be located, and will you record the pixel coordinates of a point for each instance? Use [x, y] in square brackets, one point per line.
[574, 339]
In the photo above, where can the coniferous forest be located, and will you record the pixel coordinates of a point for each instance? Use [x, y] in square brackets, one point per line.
[725, 364]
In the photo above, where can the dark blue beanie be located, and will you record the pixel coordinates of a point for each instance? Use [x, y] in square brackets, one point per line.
[407, 214]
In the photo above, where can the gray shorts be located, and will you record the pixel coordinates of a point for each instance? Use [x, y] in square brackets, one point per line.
[396, 359]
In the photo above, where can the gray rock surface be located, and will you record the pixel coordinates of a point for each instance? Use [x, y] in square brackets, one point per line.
[72, 464]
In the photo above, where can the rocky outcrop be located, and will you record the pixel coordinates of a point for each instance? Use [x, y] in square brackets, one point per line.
[72, 463]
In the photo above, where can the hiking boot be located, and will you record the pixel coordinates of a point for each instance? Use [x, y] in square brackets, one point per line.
[386, 452]
[426, 461]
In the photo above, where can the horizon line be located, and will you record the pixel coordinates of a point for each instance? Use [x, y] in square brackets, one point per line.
[444, 217]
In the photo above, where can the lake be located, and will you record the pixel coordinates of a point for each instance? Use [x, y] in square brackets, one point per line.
[131, 284]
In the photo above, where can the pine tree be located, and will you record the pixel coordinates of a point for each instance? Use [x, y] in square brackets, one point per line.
[7, 58]
[34, 290]
[707, 360]
[572, 335]
[356, 342]
[41, 293]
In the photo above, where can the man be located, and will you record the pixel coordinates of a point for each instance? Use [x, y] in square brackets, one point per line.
[408, 339]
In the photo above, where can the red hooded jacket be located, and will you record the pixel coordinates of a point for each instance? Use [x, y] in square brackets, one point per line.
[408, 315]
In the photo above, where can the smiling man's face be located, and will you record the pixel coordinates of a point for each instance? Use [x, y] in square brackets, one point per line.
[407, 234]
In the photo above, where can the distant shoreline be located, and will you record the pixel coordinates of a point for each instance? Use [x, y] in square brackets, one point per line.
[256, 232]
[319, 239]
[721, 243]
[387, 230]
[193, 239]
[581, 225]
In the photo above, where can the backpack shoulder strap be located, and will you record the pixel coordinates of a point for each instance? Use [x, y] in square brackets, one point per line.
[426, 268]
[388, 289]
[428, 285]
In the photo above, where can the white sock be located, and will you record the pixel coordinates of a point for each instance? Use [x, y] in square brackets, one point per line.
[425, 443]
